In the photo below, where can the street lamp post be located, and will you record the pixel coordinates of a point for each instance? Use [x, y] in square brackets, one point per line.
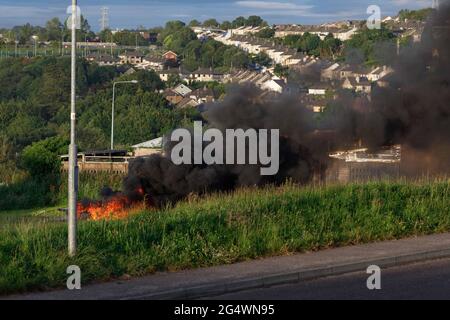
[73, 153]
[35, 45]
[112, 110]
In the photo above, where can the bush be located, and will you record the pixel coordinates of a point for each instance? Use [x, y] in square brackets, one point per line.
[42, 158]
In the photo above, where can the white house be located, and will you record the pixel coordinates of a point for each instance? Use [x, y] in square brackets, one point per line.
[274, 85]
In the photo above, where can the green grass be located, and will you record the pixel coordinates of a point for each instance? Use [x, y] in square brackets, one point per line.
[29, 194]
[223, 229]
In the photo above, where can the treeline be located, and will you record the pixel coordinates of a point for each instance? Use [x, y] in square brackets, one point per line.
[53, 31]
[34, 107]
[200, 53]
[312, 44]
[251, 21]
[415, 15]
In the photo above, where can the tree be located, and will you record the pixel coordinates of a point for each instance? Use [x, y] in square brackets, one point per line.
[262, 59]
[226, 25]
[417, 15]
[266, 33]
[239, 22]
[129, 38]
[254, 21]
[179, 39]
[366, 41]
[42, 158]
[211, 23]
[281, 71]
[173, 80]
[54, 29]
[194, 23]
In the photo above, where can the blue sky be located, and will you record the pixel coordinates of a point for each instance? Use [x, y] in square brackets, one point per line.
[149, 13]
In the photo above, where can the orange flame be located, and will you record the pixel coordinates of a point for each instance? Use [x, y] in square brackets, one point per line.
[118, 207]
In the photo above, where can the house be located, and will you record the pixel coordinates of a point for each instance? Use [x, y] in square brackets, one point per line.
[202, 95]
[153, 62]
[187, 102]
[275, 85]
[131, 57]
[103, 59]
[357, 84]
[172, 96]
[170, 56]
[148, 148]
[205, 75]
[328, 73]
[317, 106]
[378, 73]
[182, 90]
[319, 89]
[165, 74]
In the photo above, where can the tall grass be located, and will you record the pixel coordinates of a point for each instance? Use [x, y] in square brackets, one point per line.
[222, 229]
[50, 191]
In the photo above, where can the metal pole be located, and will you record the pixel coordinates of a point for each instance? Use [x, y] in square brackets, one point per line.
[112, 116]
[73, 167]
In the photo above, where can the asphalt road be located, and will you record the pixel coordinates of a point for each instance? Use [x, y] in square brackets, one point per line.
[429, 280]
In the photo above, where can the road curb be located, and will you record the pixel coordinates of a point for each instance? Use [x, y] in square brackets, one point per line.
[222, 287]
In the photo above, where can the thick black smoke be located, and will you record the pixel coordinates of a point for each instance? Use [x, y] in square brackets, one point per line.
[414, 110]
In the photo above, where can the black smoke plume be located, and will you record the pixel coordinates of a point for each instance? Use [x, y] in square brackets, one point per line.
[413, 110]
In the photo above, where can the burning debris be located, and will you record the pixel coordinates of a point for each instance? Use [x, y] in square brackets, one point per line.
[115, 205]
[385, 155]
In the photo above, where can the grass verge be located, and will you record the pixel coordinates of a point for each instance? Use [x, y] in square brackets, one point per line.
[222, 229]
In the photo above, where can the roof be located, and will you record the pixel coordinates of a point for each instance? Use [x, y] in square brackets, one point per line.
[202, 93]
[169, 52]
[187, 102]
[205, 71]
[132, 54]
[170, 93]
[152, 144]
[155, 59]
[182, 89]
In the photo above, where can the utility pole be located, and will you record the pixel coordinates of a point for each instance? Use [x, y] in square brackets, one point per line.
[35, 44]
[73, 153]
[104, 20]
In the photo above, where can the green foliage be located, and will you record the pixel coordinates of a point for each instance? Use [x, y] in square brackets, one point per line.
[194, 23]
[34, 106]
[415, 15]
[211, 23]
[173, 80]
[366, 41]
[281, 71]
[42, 158]
[253, 21]
[226, 25]
[312, 44]
[128, 38]
[223, 229]
[265, 33]
[262, 59]
[179, 39]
